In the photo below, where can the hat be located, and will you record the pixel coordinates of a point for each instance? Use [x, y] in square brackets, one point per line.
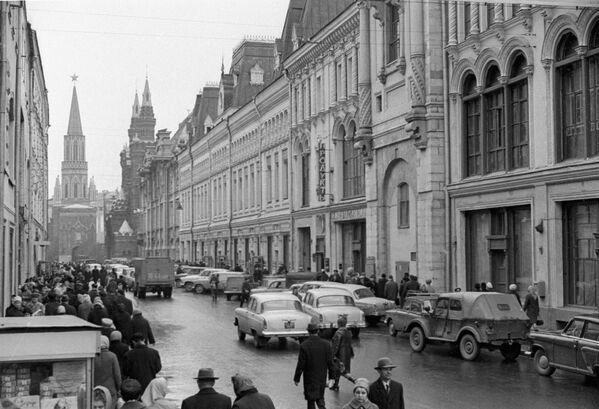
[513, 287]
[16, 298]
[61, 310]
[361, 383]
[116, 336]
[241, 383]
[107, 322]
[205, 373]
[383, 363]
[98, 301]
[104, 342]
[312, 328]
[136, 312]
[138, 336]
[489, 286]
[131, 387]
[64, 298]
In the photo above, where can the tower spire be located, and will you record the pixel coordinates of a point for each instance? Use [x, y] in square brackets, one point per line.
[146, 97]
[135, 112]
[74, 117]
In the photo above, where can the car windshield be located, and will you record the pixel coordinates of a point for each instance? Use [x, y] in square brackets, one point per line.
[192, 271]
[363, 293]
[335, 300]
[281, 305]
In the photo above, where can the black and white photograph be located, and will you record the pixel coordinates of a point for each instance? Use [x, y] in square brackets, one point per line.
[289, 204]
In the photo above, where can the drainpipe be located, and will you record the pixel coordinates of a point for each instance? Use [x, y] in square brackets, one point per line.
[230, 182]
[448, 218]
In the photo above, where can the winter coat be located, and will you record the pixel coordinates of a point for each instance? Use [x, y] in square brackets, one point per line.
[531, 308]
[391, 290]
[142, 363]
[107, 372]
[154, 397]
[354, 404]
[52, 307]
[70, 310]
[379, 396]
[96, 315]
[380, 287]
[342, 348]
[207, 398]
[84, 309]
[119, 349]
[252, 399]
[122, 322]
[141, 325]
[126, 302]
[314, 360]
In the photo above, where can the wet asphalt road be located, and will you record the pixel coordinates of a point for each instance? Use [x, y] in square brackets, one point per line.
[192, 332]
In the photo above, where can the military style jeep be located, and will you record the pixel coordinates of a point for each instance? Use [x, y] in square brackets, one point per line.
[470, 321]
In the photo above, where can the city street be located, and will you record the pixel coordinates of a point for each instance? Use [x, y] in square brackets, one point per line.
[192, 332]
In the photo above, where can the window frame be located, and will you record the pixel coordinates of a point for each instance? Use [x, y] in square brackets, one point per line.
[403, 206]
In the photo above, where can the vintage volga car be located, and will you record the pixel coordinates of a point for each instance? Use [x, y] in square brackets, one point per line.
[270, 315]
[574, 349]
[374, 308]
[471, 321]
[327, 305]
[309, 285]
[398, 319]
[184, 271]
[200, 282]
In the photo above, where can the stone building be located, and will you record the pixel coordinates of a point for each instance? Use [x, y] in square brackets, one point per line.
[24, 152]
[524, 97]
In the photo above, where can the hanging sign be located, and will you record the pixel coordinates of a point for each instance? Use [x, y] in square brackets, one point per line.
[322, 173]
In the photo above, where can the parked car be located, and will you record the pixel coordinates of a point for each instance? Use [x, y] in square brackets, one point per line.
[233, 281]
[398, 319]
[374, 308]
[309, 285]
[470, 321]
[327, 305]
[270, 315]
[184, 272]
[200, 282]
[574, 349]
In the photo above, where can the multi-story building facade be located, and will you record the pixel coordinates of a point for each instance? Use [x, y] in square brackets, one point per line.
[24, 141]
[524, 100]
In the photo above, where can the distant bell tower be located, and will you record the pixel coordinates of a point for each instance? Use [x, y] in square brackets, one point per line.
[74, 165]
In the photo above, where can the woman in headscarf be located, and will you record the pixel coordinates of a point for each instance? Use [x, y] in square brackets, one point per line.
[85, 307]
[154, 395]
[101, 398]
[106, 370]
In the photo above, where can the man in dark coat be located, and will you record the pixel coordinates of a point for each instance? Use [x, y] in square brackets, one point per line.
[141, 325]
[122, 322]
[314, 360]
[121, 298]
[343, 352]
[380, 286]
[52, 304]
[119, 348]
[385, 392]
[391, 290]
[207, 397]
[247, 396]
[16, 308]
[70, 310]
[246, 288]
[142, 362]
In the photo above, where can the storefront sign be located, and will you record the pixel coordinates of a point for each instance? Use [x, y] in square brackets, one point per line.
[349, 215]
[322, 173]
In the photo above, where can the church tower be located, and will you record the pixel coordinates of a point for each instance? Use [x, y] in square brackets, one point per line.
[143, 122]
[74, 165]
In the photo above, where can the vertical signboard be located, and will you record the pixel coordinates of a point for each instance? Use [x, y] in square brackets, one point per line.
[322, 173]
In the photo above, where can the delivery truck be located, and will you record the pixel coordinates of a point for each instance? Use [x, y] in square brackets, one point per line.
[153, 275]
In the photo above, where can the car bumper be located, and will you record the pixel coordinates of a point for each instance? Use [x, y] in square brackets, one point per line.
[323, 325]
[284, 333]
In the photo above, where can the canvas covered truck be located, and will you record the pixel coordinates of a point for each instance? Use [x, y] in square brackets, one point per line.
[153, 274]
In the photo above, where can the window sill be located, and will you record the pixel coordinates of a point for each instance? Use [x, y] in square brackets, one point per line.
[404, 227]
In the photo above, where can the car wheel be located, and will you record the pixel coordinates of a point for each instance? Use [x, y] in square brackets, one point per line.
[542, 363]
[417, 339]
[259, 342]
[372, 321]
[188, 286]
[469, 348]
[355, 332]
[510, 352]
[199, 289]
[282, 342]
[240, 334]
[391, 328]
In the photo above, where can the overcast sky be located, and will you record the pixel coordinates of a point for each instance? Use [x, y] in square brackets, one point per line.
[109, 44]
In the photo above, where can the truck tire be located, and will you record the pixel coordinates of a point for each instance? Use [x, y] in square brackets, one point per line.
[417, 339]
[168, 292]
[510, 352]
[199, 289]
[469, 347]
[141, 292]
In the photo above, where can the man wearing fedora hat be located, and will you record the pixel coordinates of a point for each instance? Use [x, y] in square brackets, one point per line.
[385, 392]
[207, 397]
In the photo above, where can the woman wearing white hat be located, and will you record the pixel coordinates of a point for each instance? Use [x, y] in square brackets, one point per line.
[360, 399]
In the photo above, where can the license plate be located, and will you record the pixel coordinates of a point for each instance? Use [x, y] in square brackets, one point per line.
[289, 324]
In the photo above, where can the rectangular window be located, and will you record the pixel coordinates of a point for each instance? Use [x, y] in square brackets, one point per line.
[594, 102]
[242, 203]
[306, 179]
[235, 198]
[490, 14]
[268, 180]
[277, 178]
[403, 206]
[318, 93]
[519, 125]
[495, 131]
[468, 18]
[572, 132]
[284, 175]
[253, 187]
[339, 81]
[246, 188]
[392, 32]
[350, 75]
[473, 149]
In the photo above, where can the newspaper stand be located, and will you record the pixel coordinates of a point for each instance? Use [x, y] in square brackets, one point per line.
[47, 362]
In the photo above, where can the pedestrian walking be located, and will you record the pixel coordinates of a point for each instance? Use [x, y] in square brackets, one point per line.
[380, 286]
[97, 313]
[142, 362]
[360, 399]
[101, 398]
[131, 393]
[119, 348]
[246, 288]
[247, 396]
[214, 280]
[154, 397]
[342, 351]
[391, 290]
[385, 392]
[531, 305]
[16, 308]
[314, 361]
[107, 372]
[122, 321]
[207, 397]
[84, 309]
[36, 307]
[140, 325]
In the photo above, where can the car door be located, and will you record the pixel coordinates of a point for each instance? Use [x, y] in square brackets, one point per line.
[253, 317]
[439, 317]
[565, 346]
[242, 317]
[307, 305]
[455, 317]
[587, 354]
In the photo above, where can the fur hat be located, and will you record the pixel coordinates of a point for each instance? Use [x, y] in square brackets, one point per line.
[361, 383]
[116, 336]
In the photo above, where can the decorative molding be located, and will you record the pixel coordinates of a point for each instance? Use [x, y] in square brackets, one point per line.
[417, 80]
[401, 65]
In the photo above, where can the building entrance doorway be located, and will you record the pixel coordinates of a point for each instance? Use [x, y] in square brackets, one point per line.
[304, 242]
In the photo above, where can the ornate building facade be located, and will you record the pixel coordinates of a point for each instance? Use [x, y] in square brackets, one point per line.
[524, 98]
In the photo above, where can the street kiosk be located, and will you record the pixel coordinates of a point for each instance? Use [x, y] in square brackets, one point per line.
[47, 362]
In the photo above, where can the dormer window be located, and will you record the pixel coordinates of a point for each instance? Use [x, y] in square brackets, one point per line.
[208, 124]
[256, 75]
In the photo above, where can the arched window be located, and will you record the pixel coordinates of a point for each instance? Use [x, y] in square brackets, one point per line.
[66, 190]
[403, 205]
[353, 165]
[497, 140]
